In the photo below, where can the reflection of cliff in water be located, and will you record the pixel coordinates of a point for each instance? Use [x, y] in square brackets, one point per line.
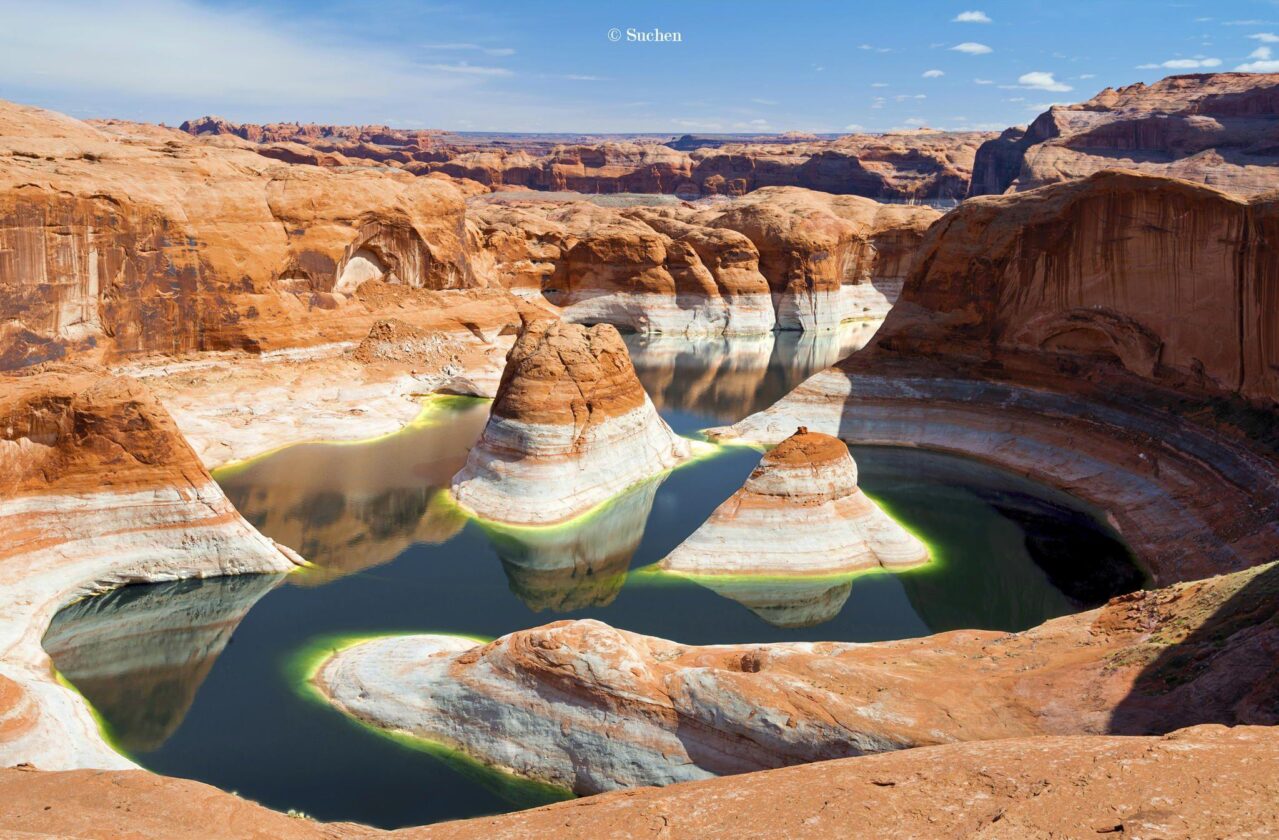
[1043, 553]
[728, 378]
[574, 566]
[139, 654]
[346, 508]
[800, 602]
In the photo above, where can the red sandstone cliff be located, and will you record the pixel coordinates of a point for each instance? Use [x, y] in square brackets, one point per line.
[1217, 129]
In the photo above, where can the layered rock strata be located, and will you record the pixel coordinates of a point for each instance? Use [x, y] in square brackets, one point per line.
[905, 165]
[785, 257]
[645, 274]
[1211, 128]
[571, 427]
[799, 513]
[118, 239]
[592, 708]
[99, 489]
[1113, 337]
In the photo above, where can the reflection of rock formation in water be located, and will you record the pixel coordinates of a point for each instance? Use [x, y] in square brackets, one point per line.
[140, 654]
[785, 603]
[728, 378]
[577, 565]
[348, 508]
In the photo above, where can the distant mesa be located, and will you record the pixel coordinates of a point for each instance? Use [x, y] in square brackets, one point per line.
[799, 513]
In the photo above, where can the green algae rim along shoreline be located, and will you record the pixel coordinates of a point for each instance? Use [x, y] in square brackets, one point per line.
[432, 411]
[303, 666]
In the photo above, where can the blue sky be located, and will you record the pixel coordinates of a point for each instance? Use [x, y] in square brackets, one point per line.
[549, 66]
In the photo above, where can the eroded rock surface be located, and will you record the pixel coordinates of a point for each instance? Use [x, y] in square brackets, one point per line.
[1114, 337]
[592, 708]
[97, 489]
[799, 513]
[1216, 129]
[571, 427]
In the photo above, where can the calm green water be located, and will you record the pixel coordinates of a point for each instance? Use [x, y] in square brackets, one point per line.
[196, 679]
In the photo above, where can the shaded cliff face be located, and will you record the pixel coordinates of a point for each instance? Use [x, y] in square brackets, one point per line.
[909, 165]
[1212, 128]
[125, 238]
[1171, 282]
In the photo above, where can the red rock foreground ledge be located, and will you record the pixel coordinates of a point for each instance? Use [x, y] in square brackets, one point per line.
[587, 707]
[1207, 781]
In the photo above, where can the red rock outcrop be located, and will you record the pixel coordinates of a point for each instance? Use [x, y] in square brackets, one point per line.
[591, 708]
[687, 270]
[119, 239]
[1205, 781]
[915, 165]
[571, 428]
[1115, 337]
[97, 489]
[800, 512]
[1211, 128]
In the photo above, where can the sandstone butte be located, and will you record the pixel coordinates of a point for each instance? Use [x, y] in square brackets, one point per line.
[800, 512]
[582, 705]
[570, 428]
[1212, 128]
[97, 489]
[779, 257]
[909, 165]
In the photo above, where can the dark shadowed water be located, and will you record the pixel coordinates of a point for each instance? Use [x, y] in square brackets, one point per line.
[198, 679]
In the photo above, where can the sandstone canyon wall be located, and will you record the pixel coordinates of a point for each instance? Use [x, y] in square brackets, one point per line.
[1216, 129]
[120, 238]
[1114, 336]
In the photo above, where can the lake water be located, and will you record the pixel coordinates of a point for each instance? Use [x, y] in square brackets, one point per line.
[200, 679]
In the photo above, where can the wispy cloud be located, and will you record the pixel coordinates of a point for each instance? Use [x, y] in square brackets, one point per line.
[983, 81]
[972, 48]
[494, 51]
[971, 17]
[1041, 80]
[465, 69]
[769, 102]
[582, 77]
[933, 74]
[1265, 37]
[1182, 64]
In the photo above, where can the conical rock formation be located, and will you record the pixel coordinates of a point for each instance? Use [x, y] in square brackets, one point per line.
[571, 428]
[800, 513]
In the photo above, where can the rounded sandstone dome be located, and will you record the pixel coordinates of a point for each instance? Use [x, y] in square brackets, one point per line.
[806, 467]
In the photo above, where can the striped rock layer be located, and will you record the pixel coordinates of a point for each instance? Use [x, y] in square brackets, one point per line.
[570, 429]
[799, 513]
[97, 490]
[583, 705]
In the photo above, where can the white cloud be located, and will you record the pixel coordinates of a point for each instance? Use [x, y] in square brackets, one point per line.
[471, 69]
[879, 84]
[1265, 37]
[971, 17]
[765, 102]
[495, 51]
[1040, 80]
[933, 74]
[972, 48]
[1182, 64]
[1260, 52]
[1259, 67]
[1086, 76]
[245, 58]
[582, 77]
[983, 81]
[854, 127]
